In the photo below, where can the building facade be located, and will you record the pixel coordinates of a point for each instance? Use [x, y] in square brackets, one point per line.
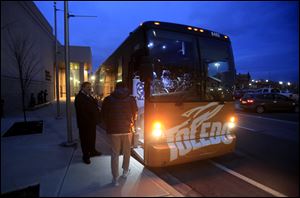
[80, 67]
[242, 81]
[28, 50]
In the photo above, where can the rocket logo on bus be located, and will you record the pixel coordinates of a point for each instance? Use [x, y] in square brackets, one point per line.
[196, 133]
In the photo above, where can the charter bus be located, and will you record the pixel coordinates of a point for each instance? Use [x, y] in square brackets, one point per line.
[183, 80]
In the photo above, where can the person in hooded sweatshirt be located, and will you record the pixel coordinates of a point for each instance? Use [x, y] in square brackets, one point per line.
[119, 112]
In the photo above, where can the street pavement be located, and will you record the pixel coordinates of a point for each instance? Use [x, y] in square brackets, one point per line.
[27, 160]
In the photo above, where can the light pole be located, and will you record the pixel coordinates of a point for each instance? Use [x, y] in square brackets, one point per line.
[70, 141]
[56, 66]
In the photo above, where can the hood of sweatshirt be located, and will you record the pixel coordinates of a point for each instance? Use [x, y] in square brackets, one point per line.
[121, 93]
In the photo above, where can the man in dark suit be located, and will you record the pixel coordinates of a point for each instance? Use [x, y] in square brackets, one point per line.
[87, 115]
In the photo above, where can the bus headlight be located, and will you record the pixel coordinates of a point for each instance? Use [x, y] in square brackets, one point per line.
[232, 122]
[157, 129]
[231, 125]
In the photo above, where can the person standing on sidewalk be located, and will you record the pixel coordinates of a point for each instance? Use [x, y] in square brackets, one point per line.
[119, 112]
[87, 114]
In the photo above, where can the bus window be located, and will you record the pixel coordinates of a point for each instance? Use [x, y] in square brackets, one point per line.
[216, 59]
[174, 66]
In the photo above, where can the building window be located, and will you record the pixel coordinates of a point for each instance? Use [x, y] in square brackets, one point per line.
[120, 64]
[74, 78]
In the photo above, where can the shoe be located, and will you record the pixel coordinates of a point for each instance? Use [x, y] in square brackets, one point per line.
[95, 153]
[125, 173]
[86, 160]
[115, 182]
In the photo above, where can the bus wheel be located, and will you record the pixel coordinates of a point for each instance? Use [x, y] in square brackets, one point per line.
[260, 109]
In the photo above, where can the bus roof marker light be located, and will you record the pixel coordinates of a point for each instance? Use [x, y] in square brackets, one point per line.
[226, 37]
[156, 23]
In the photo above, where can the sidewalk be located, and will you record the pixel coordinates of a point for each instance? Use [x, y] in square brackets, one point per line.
[39, 159]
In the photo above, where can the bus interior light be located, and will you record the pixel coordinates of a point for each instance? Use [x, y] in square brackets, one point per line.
[189, 28]
[156, 23]
[201, 30]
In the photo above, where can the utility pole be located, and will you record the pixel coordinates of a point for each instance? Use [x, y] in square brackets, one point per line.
[56, 67]
[70, 141]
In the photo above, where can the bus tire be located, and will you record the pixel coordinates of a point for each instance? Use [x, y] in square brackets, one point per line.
[260, 109]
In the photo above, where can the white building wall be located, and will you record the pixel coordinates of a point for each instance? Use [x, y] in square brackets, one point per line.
[21, 21]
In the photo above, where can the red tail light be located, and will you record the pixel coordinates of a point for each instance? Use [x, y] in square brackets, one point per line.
[250, 101]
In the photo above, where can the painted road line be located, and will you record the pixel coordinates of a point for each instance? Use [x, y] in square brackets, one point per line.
[247, 128]
[248, 180]
[260, 117]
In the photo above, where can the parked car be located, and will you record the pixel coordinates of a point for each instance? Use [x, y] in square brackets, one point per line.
[268, 102]
[274, 90]
[240, 93]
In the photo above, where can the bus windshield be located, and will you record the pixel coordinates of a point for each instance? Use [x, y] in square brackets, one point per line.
[177, 71]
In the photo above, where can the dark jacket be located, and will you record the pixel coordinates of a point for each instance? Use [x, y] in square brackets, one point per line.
[86, 110]
[118, 112]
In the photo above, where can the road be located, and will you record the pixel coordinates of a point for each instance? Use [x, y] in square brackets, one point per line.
[265, 162]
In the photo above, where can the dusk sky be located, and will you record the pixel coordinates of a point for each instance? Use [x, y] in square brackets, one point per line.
[264, 35]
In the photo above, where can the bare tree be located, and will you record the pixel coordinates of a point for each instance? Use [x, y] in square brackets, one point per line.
[22, 50]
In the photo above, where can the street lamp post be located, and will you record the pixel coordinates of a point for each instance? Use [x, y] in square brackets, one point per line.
[56, 66]
[70, 141]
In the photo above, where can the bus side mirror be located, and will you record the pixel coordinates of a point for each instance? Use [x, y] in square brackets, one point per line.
[146, 69]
